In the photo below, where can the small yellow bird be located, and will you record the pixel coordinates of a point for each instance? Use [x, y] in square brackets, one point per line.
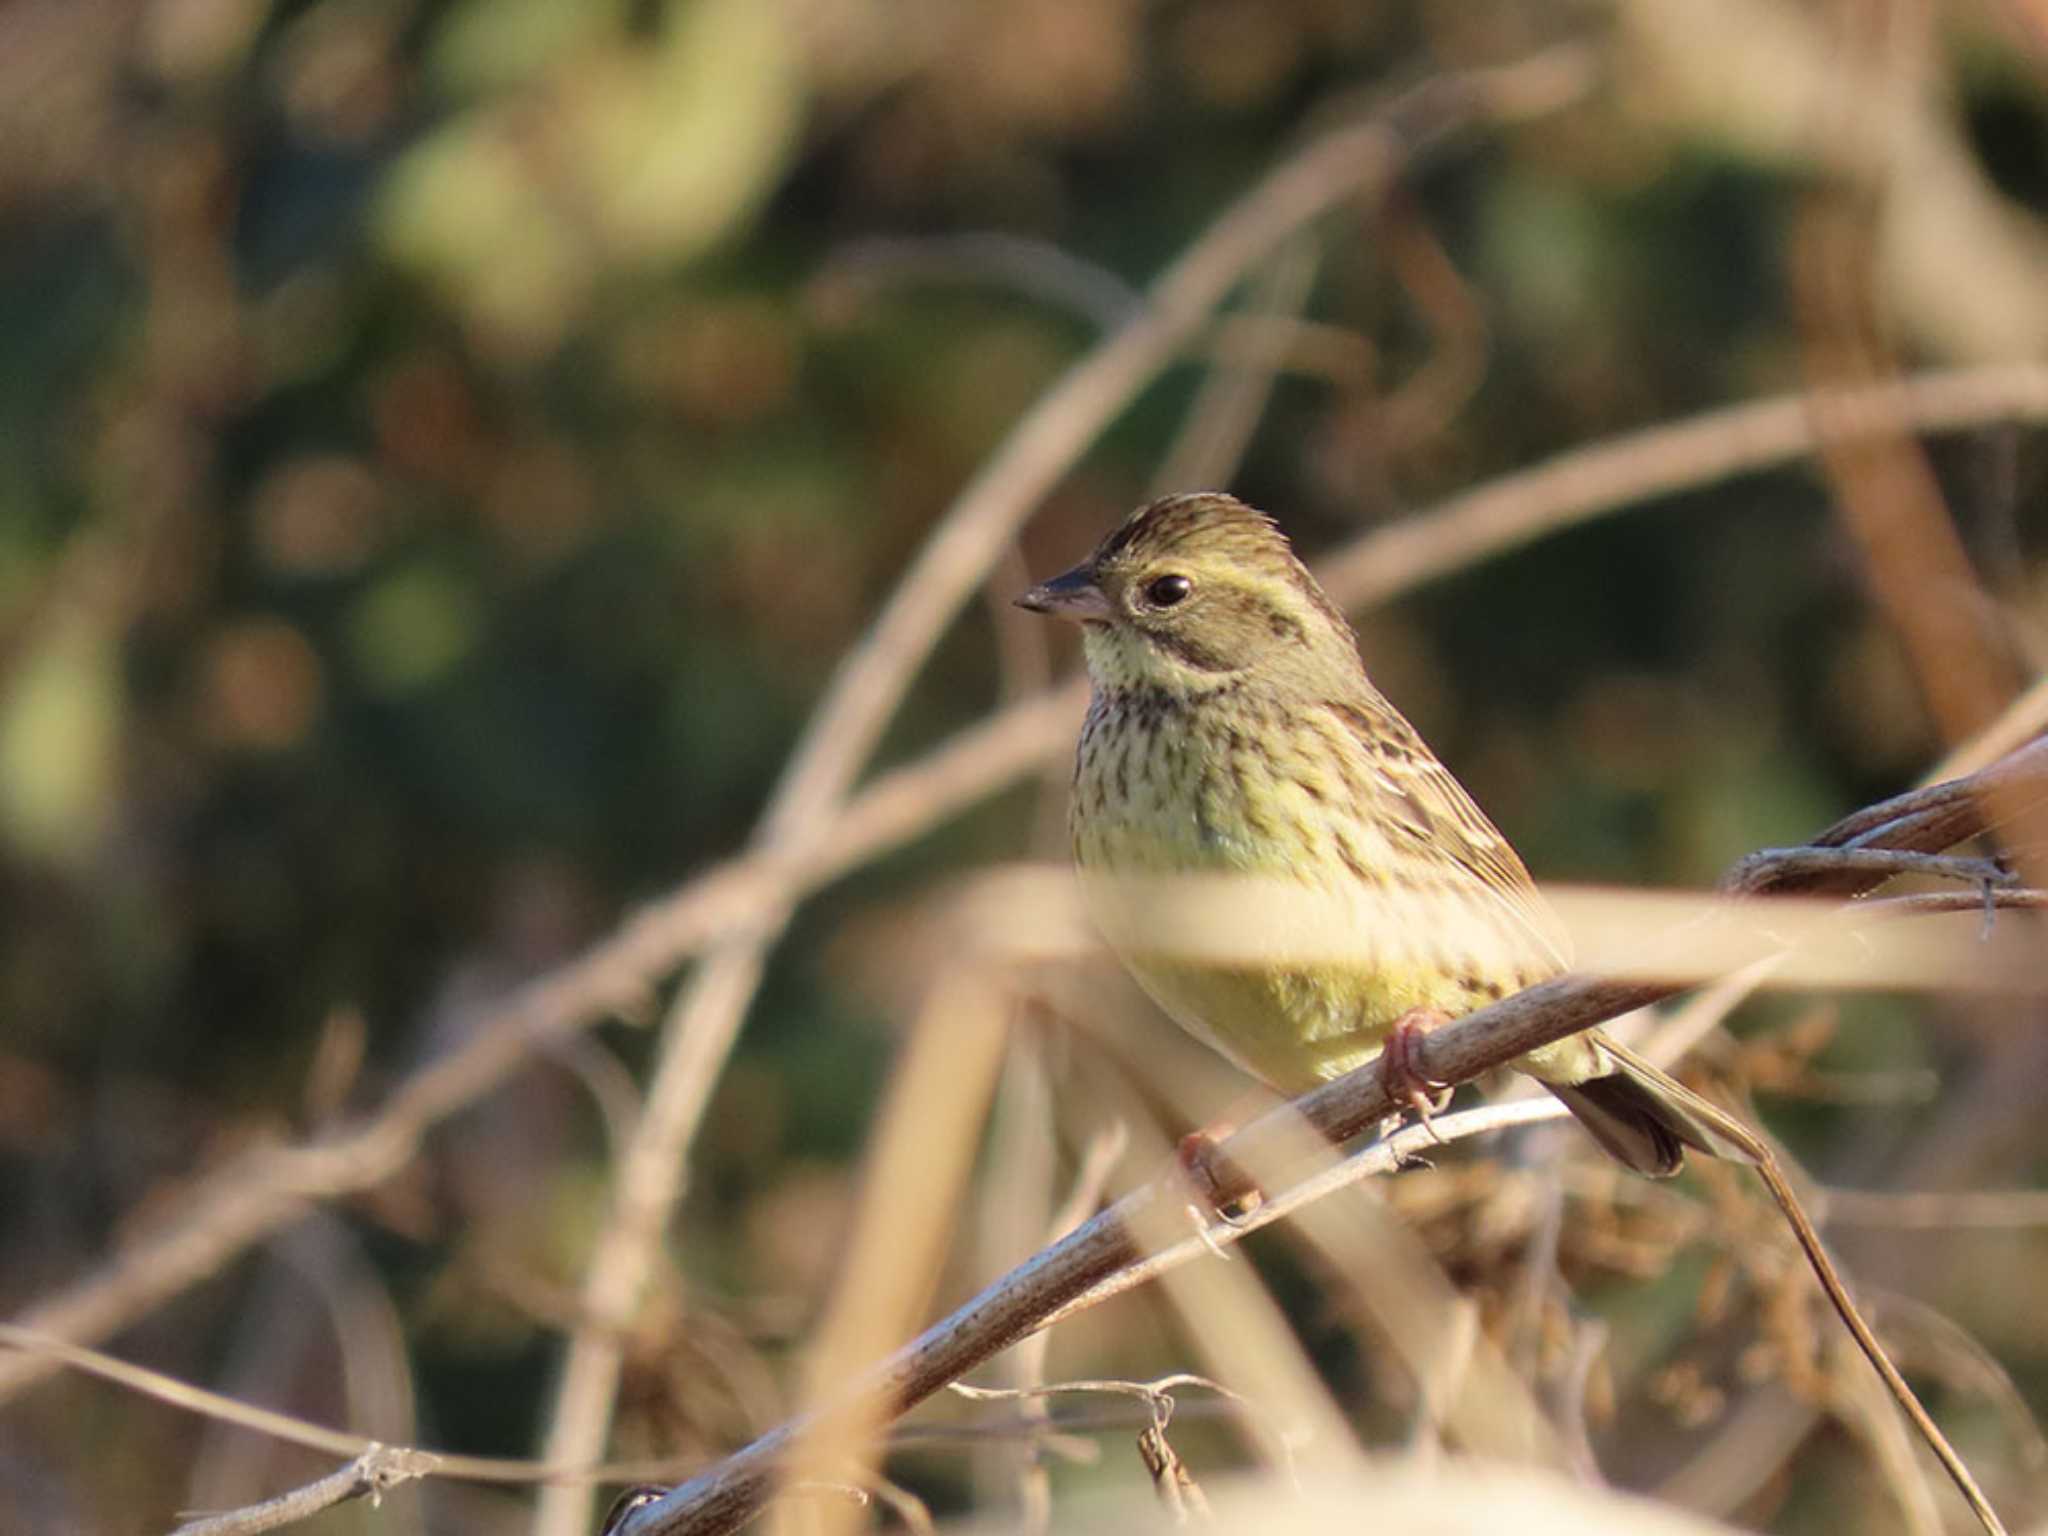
[1233, 730]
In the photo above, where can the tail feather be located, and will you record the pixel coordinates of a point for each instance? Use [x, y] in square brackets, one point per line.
[1640, 1117]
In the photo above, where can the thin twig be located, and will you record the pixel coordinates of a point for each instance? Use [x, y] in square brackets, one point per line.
[1157, 1395]
[1865, 1408]
[1702, 450]
[379, 1468]
[1168, 1471]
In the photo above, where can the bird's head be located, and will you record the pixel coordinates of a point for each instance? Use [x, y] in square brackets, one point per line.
[1196, 591]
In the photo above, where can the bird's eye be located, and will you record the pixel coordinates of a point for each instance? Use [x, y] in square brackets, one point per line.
[1165, 591]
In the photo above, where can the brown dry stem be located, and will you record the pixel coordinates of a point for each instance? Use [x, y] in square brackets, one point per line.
[1101, 1257]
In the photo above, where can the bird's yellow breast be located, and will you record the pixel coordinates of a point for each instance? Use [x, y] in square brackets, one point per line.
[1234, 786]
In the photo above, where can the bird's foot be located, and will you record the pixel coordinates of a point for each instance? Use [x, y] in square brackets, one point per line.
[1219, 1184]
[1401, 1070]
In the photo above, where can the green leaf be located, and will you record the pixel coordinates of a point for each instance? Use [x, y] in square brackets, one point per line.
[59, 733]
[486, 46]
[413, 628]
[628, 153]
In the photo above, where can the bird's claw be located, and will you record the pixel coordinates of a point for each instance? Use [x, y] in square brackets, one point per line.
[1401, 1070]
[1219, 1188]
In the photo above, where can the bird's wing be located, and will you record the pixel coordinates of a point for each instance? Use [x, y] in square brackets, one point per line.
[1426, 813]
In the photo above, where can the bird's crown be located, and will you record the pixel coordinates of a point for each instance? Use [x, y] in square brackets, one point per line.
[1206, 523]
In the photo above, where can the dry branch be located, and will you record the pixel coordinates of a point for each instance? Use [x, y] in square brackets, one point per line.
[378, 1469]
[1089, 1261]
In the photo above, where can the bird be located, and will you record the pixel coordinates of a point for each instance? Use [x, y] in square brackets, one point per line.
[1232, 730]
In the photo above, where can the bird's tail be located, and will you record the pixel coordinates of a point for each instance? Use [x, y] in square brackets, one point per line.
[1642, 1117]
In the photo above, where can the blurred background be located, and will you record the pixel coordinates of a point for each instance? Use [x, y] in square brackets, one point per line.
[446, 448]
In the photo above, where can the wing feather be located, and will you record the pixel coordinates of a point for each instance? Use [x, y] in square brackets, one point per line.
[1427, 814]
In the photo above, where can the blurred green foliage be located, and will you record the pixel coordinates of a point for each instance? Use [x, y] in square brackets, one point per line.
[443, 453]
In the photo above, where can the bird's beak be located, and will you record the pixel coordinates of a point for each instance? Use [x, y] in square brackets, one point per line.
[1072, 596]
